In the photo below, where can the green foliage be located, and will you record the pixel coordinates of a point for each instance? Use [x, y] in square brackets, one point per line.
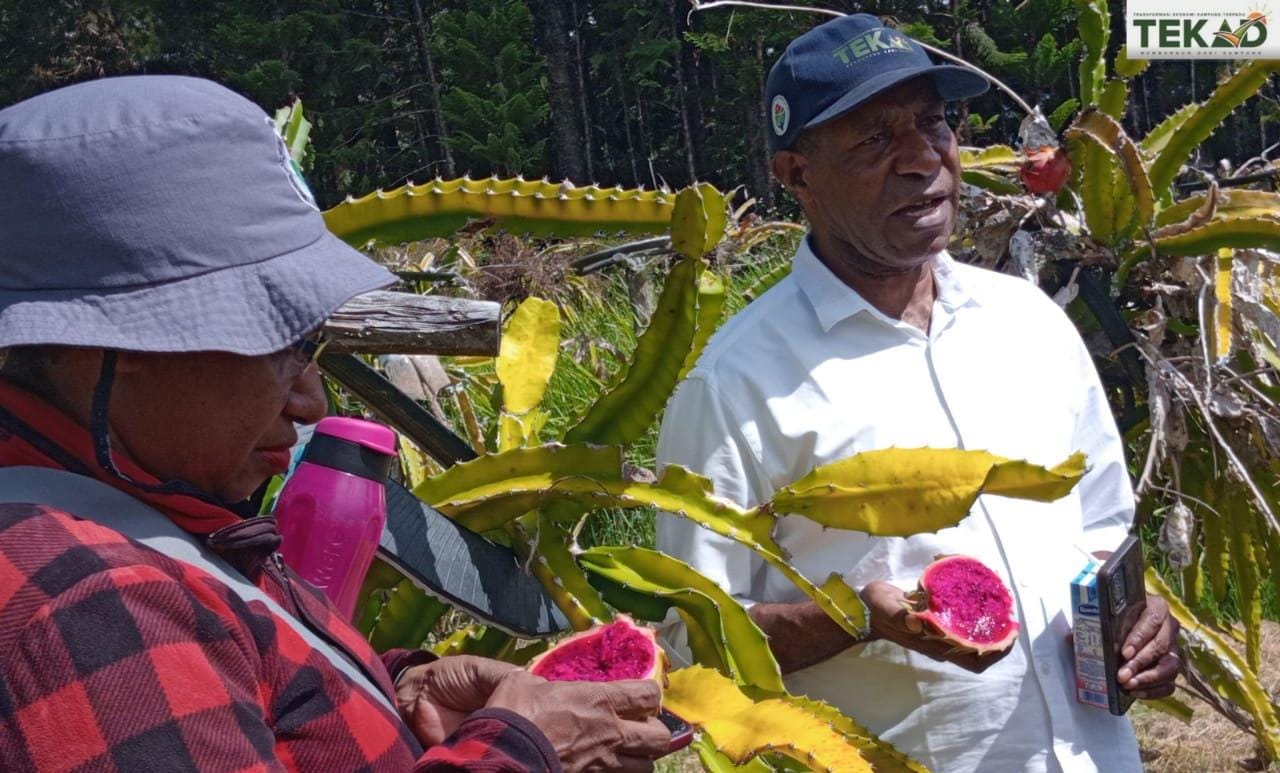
[626, 410]
[494, 100]
[1062, 113]
[986, 51]
[1198, 124]
[1095, 31]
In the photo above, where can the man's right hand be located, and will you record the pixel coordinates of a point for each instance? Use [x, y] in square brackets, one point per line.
[592, 725]
[887, 610]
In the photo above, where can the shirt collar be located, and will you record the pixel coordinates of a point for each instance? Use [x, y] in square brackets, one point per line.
[834, 301]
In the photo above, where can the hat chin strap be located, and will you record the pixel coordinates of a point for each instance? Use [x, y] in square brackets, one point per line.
[102, 442]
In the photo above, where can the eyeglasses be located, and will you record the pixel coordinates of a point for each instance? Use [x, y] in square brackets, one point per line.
[306, 351]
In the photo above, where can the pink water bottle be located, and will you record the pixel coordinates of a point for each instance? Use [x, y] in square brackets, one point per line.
[332, 509]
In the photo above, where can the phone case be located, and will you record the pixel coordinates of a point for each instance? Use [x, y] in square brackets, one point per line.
[681, 731]
[1122, 596]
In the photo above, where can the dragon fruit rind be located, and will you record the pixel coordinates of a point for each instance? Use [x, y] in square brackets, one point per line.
[606, 653]
[963, 602]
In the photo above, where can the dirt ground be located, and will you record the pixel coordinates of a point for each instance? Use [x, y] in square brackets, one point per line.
[1210, 744]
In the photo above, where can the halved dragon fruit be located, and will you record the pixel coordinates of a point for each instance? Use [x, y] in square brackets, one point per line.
[963, 602]
[606, 653]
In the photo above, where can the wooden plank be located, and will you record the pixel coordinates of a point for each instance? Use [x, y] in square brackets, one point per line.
[383, 322]
[395, 408]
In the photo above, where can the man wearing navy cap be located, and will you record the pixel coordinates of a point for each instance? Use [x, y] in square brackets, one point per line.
[877, 339]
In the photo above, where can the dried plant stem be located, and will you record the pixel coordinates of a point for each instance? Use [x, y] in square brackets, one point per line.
[698, 5]
[1188, 497]
[1221, 441]
[1144, 482]
[1202, 311]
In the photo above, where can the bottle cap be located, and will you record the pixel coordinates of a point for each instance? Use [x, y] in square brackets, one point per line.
[354, 446]
[369, 434]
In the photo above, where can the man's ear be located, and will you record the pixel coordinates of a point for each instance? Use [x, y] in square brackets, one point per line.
[791, 169]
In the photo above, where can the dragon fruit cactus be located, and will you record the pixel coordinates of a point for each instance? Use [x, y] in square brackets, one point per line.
[606, 653]
[963, 602]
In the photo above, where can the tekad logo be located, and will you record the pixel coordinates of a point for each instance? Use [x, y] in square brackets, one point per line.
[1178, 29]
[871, 42]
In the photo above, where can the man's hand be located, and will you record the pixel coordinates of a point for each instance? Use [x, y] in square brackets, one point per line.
[886, 609]
[592, 725]
[434, 698]
[1150, 653]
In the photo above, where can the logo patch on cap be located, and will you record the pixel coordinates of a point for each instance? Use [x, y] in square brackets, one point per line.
[780, 115]
[870, 43]
[294, 171]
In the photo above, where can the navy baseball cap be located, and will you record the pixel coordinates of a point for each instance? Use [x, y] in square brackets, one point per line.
[838, 65]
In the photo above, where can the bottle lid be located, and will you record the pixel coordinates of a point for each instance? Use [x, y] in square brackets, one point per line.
[370, 434]
[354, 446]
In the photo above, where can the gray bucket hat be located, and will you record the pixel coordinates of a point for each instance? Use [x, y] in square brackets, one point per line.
[161, 214]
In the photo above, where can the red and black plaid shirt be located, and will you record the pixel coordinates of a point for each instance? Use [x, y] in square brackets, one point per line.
[115, 657]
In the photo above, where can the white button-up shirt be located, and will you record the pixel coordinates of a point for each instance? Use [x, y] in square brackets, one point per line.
[810, 373]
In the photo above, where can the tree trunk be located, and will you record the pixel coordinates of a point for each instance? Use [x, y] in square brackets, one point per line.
[758, 157]
[963, 132]
[426, 63]
[686, 83]
[626, 124]
[567, 145]
[579, 70]
[645, 142]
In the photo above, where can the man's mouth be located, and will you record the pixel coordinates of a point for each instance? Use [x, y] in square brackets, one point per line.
[278, 459]
[922, 207]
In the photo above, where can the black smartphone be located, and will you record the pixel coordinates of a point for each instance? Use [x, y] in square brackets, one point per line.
[1122, 596]
[681, 731]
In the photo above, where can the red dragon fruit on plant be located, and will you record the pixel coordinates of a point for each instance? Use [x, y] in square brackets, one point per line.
[963, 602]
[606, 653]
[1046, 170]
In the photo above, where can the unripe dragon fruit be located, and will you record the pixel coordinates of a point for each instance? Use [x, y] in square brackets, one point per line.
[1046, 170]
[966, 604]
[606, 653]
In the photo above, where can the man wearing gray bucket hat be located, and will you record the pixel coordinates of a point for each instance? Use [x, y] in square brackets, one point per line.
[879, 339]
[163, 275]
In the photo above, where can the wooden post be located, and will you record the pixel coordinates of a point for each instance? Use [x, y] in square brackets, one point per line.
[383, 322]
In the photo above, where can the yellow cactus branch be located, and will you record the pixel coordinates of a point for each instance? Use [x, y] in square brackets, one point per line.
[903, 491]
[441, 207]
[741, 728]
[527, 358]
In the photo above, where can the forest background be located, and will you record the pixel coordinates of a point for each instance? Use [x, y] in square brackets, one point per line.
[629, 92]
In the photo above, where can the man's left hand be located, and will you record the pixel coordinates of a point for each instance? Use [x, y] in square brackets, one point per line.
[434, 698]
[1150, 660]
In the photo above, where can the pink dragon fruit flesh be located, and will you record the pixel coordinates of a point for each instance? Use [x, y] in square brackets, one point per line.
[963, 602]
[606, 653]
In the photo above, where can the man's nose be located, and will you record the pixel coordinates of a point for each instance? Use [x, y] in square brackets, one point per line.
[915, 154]
[307, 402]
